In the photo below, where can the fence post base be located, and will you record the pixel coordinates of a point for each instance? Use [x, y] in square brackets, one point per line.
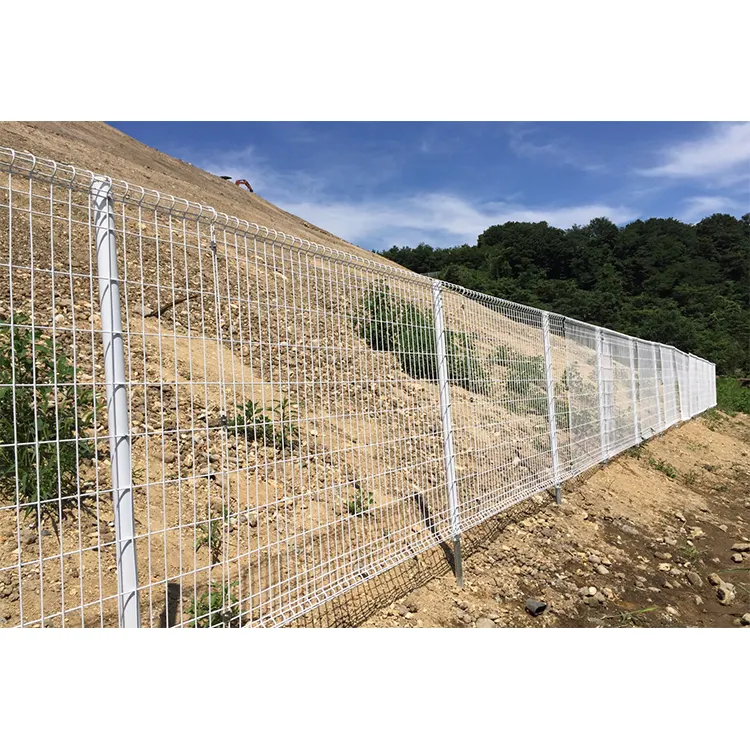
[458, 565]
[558, 495]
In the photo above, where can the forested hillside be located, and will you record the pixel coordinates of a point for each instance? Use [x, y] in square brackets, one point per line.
[660, 279]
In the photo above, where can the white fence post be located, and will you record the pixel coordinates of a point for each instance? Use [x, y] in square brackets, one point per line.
[600, 383]
[713, 385]
[664, 385]
[117, 404]
[445, 415]
[691, 387]
[634, 392]
[551, 407]
[656, 386]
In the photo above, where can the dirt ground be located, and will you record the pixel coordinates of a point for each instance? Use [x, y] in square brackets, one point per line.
[655, 539]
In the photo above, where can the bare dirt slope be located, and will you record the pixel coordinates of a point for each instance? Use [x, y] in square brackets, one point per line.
[659, 538]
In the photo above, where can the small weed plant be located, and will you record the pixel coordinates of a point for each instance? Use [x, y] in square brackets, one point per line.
[633, 619]
[361, 503]
[713, 418]
[663, 467]
[270, 425]
[215, 609]
[210, 534]
[689, 552]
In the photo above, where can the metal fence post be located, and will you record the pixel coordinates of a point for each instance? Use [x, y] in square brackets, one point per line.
[551, 408]
[600, 383]
[656, 386]
[117, 404]
[634, 391]
[713, 385]
[663, 418]
[445, 416]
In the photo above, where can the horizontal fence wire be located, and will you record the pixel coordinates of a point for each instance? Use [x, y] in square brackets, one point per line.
[207, 423]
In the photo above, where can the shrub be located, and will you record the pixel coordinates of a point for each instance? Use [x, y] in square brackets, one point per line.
[732, 397]
[286, 436]
[584, 395]
[527, 384]
[43, 434]
[377, 322]
[254, 424]
[389, 324]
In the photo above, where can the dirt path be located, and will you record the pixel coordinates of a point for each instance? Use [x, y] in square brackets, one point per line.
[637, 543]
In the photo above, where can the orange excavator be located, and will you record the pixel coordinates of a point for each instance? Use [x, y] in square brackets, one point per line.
[237, 182]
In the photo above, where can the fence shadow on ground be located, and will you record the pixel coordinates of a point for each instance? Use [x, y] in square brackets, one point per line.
[356, 606]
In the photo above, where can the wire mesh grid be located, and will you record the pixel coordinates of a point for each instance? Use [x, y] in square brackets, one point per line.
[205, 423]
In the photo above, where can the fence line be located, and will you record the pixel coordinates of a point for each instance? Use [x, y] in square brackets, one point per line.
[204, 422]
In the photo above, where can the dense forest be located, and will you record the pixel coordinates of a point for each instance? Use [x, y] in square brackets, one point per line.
[661, 279]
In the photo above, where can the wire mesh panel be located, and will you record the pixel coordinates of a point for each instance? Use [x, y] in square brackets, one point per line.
[583, 395]
[694, 385]
[499, 402]
[207, 423]
[620, 401]
[286, 420]
[648, 390]
[58, 554]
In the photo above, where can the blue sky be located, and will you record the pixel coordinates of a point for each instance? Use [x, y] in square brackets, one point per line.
[380, 184]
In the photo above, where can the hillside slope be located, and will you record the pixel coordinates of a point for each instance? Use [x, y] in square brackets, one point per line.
[101, 148]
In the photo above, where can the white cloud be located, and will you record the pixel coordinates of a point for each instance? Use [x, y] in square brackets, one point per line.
[700, 206]
[439, 219]
[724, 153]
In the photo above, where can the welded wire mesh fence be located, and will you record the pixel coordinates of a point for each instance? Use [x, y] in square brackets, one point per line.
[204, 422]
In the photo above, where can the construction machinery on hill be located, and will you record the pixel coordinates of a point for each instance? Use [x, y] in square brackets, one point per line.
[237, 182]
